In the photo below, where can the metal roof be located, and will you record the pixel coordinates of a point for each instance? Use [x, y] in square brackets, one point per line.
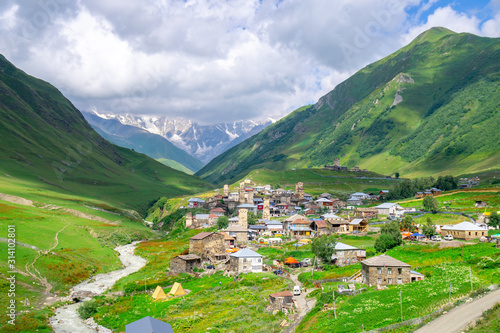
[149, 325]
[384, 260]
[246, 253]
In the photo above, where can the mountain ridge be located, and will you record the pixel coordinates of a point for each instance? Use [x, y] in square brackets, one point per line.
[373, 118]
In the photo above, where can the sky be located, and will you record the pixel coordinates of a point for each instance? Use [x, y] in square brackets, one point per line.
[216, 61]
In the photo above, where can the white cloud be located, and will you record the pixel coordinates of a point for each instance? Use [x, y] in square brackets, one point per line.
[211, 60]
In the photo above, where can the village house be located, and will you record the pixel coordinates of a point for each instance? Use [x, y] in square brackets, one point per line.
[238, 232]
[299, 228]
[367, 213]
[283, 299]
[358, 225]
[319, 227]
[308, 197]
[205, 220]
[390, 209]
[464, 230]
[354, 201]
[228, 240]
[195, 203]
[245, 261]
[347, 255]
[275, 227]
[360, 196]
[326, 196]
[384, 270]
[185, 263]
[208, 245]
[322, 202]
[218, 211]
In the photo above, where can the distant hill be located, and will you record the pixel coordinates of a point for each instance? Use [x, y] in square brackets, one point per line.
[142, 141]
[47, 144]
[432, 107]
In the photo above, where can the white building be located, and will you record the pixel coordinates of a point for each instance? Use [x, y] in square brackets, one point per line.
[390, 208]
[245, 261]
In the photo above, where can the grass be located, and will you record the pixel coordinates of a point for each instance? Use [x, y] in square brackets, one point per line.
[489, 323]
[376, 309]
[84, 247]
[215, 304]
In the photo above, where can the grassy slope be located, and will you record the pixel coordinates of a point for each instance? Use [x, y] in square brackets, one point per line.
[48, 145]
[317, 181]
[153, 145]
[445, 123]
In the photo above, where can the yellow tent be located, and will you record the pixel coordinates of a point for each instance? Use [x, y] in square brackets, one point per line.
[159, 294]
[177, 290]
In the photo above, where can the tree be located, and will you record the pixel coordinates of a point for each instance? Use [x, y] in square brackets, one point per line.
[429, 228]
[324, 247]
[397, 175]
[390, 237]
[430, 204]
[222, 222]
[494, 220]
[252, 218]
[407, 223]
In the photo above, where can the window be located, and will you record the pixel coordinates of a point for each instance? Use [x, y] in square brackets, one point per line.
[389, 270]
[389, 280]
[244, 259]
[400, 270]
[400, 281]
[259, 260]
[379, 281]
[379, 270]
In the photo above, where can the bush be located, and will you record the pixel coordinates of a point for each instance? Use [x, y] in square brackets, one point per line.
[87, 309]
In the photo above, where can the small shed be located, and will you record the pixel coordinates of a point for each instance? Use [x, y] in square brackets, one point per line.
[148, 325]
[185, 263]
[281, 299]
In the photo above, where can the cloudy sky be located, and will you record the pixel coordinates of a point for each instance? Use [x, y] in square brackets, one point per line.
[216, 60]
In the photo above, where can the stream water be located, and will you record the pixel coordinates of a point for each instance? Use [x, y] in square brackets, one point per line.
[66, 319]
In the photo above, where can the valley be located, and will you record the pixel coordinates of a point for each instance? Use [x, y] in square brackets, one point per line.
[374, 209]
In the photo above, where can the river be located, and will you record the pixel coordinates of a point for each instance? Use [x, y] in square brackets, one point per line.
[66, 319]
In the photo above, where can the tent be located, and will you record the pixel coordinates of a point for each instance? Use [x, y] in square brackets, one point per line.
[177, 290]
[417, 235]
[149, 325]
[159, 294]
[291, 261]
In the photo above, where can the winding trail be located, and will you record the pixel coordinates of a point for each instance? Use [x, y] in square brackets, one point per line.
[66, 319]
[304, 305]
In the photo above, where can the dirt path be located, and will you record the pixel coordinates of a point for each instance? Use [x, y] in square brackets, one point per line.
[67, 320]
[458, 318]
[451, 193]
[304, 305]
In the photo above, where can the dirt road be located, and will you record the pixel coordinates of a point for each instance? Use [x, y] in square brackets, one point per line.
[458, 318]
[67, 320]
[304, 305]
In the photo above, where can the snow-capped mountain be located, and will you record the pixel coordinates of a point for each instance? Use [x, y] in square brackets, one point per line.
[201, 141]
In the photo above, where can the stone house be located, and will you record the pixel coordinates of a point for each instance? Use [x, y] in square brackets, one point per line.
[390, 208]
[238, 232]
[208, 245]
[184, 263]
[320, 227]
[280, 300]
[299, 228]
[195, 202]
[347, 254]
[366, 213]
[218, 212]
[228, 240]
[245, 261]
[385, 270]
[464, 230]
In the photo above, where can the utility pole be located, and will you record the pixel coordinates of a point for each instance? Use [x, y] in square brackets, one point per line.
[449, 297]
[470, 274]
[145, 284]
[314, 262]
[401, 302]
[334, 310]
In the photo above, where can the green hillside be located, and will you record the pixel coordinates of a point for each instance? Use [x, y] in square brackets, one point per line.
[430, 108]
[47, 146]
[142, 141]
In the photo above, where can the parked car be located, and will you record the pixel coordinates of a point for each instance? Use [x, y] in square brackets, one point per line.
[304, 263]
[211, 267]
[296, 291]
[448, 237]
[436, 238]
[278, 272]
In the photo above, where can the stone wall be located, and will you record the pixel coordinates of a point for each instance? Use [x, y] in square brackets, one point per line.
[243, 217]
[189, 219]
[349, 257]
[383, 276]
[266, 213]
[208, 246]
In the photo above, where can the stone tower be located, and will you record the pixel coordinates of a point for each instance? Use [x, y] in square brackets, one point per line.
[299, 190]
[266, 212]
[226, 190]
[243, 217]
[336, 162]
[241, 194]
[189, 219]
[250, 198]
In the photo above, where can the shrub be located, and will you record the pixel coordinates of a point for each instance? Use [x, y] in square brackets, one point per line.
[87, 309]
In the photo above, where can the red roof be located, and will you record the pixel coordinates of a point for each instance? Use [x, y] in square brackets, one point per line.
[300, 221]
[286, 293]
[321, 224]
[212, 216]
[217, 210]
